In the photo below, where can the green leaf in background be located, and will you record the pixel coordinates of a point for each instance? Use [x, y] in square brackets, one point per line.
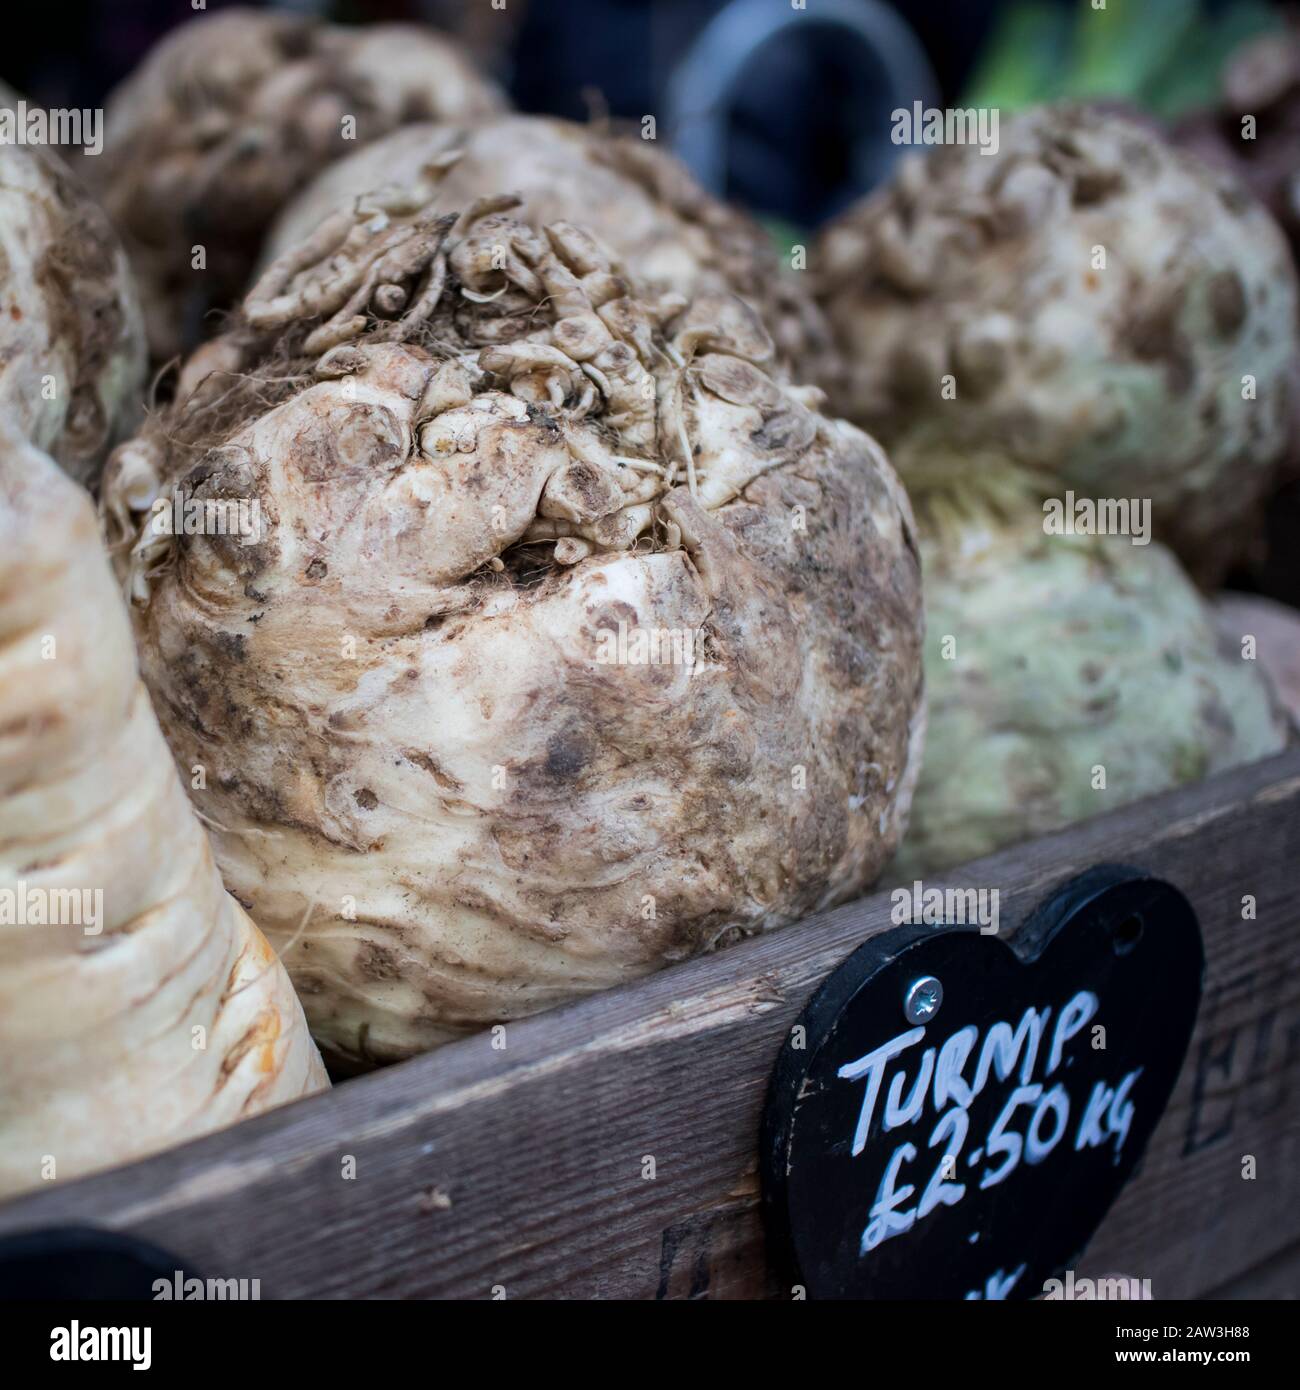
[1191, 77]
[1164, 55]
[1022, 60]
[1117, 50]
[785, 236]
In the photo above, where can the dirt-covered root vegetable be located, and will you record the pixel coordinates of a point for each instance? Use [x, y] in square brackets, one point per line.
[139, 1006]
[639, 200]
[231, 114]
[1085, 310]
[72, 352]
[1067, 676]
[573, 643]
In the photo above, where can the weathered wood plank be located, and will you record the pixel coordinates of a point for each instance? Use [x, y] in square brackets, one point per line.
[526, 1168]
[1276, 1278]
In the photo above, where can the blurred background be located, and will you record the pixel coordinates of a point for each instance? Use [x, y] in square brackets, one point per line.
[782, 105]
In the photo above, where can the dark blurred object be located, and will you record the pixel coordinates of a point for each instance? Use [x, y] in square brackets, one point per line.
[78, 1262]
[1278, 573]
[790, 110]
[1273, 566]
[784, 109]
[1260, 82]
[74, 51]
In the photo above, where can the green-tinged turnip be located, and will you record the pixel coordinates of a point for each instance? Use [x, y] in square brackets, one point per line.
[1067, 676]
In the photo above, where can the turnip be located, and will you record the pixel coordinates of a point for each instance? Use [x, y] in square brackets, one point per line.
[228, 116]
[139, 1006]
[1067, 676]
[72, 354]
[637, 199]
[574, 642]
[1084, 310]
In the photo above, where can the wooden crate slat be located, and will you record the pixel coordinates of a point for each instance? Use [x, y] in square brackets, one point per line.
[1278, 1277]
[522, 1168]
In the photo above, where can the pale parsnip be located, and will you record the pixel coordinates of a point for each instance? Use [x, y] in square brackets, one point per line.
[494, 471]
[174, 1017]
[228, 116]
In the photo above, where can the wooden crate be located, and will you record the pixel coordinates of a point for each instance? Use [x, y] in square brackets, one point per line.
[522, 1169]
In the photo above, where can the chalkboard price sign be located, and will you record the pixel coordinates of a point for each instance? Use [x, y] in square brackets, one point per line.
[952, 1116]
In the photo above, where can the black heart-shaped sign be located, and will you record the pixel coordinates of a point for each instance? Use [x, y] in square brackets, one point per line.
[952, 1116]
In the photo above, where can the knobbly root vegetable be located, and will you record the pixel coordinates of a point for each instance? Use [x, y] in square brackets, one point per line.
[1254, 134]
[1164, 374]
[72, 353]
[1051, 657]
[139, 1006]
[640, 202]
[231, 114]
[576, 644]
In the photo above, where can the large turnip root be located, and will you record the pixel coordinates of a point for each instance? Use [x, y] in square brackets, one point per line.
[1050, 657]
[575, 643]
[231, 114]
[1162, 372]
[72, 353]
[639, 201]
[159, 1012]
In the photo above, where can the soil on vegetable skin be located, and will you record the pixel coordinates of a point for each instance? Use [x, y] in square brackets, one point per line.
[814, 648]
[80, 275]
[401, 702]
[80, 281]
[1114, 378]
